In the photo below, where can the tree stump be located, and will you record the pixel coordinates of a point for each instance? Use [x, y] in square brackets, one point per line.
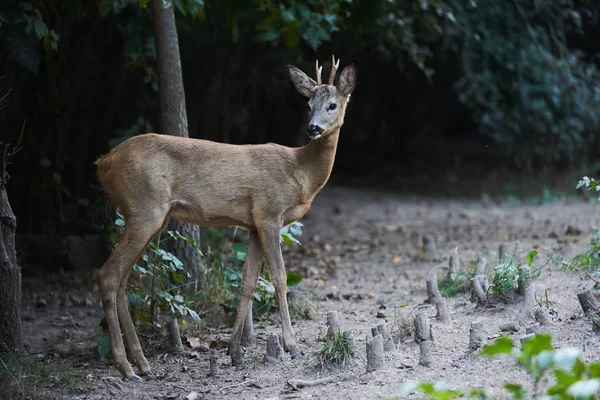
[429, 247]
[425, 353]
[248, 331]
[213, 363]
[480, 267]
[333, 324]
[479, 293]
[542, 317]
[510, 326]
[525, 289]
[174, 336]
[596, 324]
[588, 301]
[422, 329]
[453, 262]
[442, 310]
[476, 335]
[432, 288]
[381, 329]
[375, 356]
[274, 350]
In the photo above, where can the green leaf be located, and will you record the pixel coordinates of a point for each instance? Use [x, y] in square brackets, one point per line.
[515, 389]
[178, 298]
[531, 256]
[585, 388]
[239, 247]
[594, 369]
[563, 381]
[293, 279]
[537, 344]
[177, 277]
[502, 345]
[120, 222]
[194, 315]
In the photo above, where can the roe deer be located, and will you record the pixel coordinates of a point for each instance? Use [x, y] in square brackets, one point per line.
[264, 187]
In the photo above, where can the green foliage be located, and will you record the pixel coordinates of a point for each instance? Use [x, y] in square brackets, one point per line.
[24, 30]
[589, 259]
[337, 352]
[457, 282]
[526, 88]
[507, 275]
[573, 377]
[222, 276]
[590, 184]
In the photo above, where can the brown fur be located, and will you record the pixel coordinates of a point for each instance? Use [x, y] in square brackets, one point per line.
[152, 177]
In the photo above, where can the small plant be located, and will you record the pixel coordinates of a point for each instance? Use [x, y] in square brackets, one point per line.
[588, 260]
[573, 377]
[590, 183]
[507, 275]
[337, 352]
[457, 282]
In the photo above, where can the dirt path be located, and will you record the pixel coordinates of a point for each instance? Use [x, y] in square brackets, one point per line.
[359, 259]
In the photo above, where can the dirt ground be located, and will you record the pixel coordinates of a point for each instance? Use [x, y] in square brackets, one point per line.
[360, 258]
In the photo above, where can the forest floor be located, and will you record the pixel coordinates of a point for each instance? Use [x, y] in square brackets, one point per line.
[359, 257]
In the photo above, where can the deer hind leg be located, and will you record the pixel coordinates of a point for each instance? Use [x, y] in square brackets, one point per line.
[269, 237]
[132, 341]
[251, 271]
[111, 278]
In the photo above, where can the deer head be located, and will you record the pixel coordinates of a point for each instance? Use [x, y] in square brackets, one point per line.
[327, 102]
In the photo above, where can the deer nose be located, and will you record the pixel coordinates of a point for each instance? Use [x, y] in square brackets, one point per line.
[314, 130]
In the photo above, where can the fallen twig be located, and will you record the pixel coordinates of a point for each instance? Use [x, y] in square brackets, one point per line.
[249, 382]
[296, 384]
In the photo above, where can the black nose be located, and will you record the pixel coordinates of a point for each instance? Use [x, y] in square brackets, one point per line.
[314, 130]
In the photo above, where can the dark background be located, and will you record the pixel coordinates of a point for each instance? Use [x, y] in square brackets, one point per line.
[434, 112]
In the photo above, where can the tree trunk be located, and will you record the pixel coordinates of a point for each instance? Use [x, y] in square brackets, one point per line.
[174, 116]
[10, 272]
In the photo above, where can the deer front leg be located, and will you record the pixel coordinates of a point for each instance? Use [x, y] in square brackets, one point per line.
[269, 237]
[251, 271]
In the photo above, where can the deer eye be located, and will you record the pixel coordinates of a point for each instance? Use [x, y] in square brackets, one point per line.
[332, 107]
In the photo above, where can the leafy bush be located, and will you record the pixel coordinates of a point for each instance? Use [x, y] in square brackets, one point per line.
[573, 377]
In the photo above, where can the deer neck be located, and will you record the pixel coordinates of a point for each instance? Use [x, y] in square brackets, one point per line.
[316, 162]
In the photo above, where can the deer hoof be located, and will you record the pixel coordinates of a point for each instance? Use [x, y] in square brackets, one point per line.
[135, 378]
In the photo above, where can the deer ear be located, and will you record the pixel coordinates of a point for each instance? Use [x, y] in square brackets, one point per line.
[302, 82]
[347, 81]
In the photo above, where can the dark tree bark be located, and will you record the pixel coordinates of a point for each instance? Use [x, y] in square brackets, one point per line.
[10, 271]
[174, 115]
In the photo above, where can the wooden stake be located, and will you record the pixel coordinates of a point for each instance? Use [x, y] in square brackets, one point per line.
[476, 335]
[429, 247]
[374, 353]
[174, 336]
[442, 310]
[214, 363]
[432, 288]
[478, 291]
[481, 264]
[588, 301]
[333, 324]
[381, 329]
[422, 330]
[274, 350]
[425, 357]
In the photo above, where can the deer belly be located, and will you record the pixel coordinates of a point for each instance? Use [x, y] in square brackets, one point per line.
[196, 215]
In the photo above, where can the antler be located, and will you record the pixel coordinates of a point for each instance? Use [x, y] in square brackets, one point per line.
[319, 69]
[334, 67]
